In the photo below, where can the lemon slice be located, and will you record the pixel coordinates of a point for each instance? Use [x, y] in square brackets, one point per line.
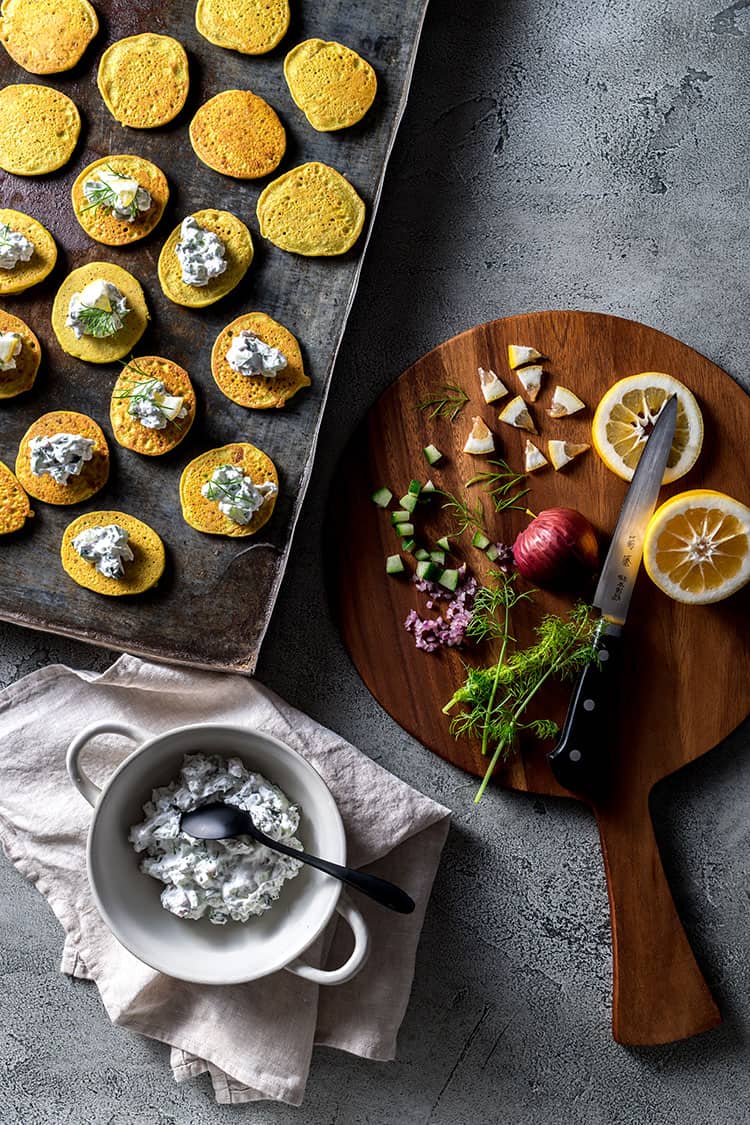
[697, 547]
[562, 453]
[516, 413]
[626, 415]
[565, 402]
[493, 387]
[480, 440]
[518, 354]
[531, 380]
[533, 457]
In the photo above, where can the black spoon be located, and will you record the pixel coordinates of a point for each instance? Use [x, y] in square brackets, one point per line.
[218, 821]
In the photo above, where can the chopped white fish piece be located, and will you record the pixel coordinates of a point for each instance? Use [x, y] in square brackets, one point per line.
[481, 439]
[516, 413]
[492, 387]
[533, 458]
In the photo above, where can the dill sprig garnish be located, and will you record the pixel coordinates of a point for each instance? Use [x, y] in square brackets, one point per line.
[494, 699]
[502, 484]
[447, 405]
[466, 515]
[142, 391]
[4, 232]
[98, 322]
[104, 195]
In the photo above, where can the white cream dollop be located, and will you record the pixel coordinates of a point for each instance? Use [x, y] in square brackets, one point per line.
[249, 355]
[201, 253]
[152, 406]
[238, 496]
[14, 247]
[61, 456]
[106, 546]
[104, 297]
[120, 194]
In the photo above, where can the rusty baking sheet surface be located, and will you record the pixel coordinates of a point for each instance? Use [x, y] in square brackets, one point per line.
[213, 605]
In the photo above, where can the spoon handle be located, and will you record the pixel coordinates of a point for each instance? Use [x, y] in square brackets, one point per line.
[387, 894]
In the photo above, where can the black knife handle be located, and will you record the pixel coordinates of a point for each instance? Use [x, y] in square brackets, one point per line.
[579, 760]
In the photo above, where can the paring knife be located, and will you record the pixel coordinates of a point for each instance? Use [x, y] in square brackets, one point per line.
[579, 759]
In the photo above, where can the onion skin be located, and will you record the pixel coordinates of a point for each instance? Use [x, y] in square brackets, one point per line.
[558, 549]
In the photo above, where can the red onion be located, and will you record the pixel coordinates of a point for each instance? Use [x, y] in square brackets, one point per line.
[559, 548]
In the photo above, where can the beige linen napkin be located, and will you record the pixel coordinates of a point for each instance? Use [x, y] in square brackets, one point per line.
[254, 1040]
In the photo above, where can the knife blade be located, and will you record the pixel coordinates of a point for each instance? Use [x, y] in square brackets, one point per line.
[578, 760]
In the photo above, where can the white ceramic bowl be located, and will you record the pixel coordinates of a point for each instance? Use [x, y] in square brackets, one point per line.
[198, 951]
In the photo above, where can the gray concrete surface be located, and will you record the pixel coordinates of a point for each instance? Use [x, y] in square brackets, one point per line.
[554, 153]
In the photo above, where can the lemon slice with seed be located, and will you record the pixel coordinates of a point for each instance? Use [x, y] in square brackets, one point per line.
[625, 418]
[516, 413]
[697, 547]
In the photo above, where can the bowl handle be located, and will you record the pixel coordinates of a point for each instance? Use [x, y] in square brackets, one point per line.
[357, 959]
[84, 784]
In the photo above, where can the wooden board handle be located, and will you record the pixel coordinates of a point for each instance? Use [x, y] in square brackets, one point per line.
[659, 992]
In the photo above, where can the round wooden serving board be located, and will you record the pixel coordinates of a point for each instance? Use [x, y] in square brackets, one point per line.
[684, 686]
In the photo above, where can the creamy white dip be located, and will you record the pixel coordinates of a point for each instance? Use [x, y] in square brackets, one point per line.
[10, 347]
[249, 355]
[121, 195]
[201, 253]
[152, 406]
[14, 248]
[237, 495]
[106, 546]
[223, 879]
[98, 310]
[60, 456]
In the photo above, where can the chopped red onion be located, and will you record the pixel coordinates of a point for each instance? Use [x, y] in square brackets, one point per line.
[449, 631]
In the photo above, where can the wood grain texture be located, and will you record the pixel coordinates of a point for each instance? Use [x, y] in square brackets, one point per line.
[213, 605]
[684, 685]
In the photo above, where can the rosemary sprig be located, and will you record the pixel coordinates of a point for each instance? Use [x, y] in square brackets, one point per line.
[98, 322]
[448, 405]
[494, 699]
[502, 484]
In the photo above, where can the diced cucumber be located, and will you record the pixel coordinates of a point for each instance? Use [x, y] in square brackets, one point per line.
[405, 530]
[438, 557]
[382, 497]
[408, 545]
[400, 516]
[492, 552]
[394, 564]
[428, 571]
[480, 540]
[409, 501]
[432, 453]
[415, 487]
[444, 544]
[421, 554]
[449, 579]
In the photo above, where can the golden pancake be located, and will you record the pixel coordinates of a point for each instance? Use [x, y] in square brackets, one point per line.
[311, 210]
[257, 391]
[39, 128]
[239, 134]
[47, 36]
[15, 508]
[129, 431]
[40, 264]
[108, 348]
[250, 26]
[21, 377]
[99, 222]
[238, 246]
[92, 477]
[204, 514]
[141, 574]
[332, 85]
[144, 80]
